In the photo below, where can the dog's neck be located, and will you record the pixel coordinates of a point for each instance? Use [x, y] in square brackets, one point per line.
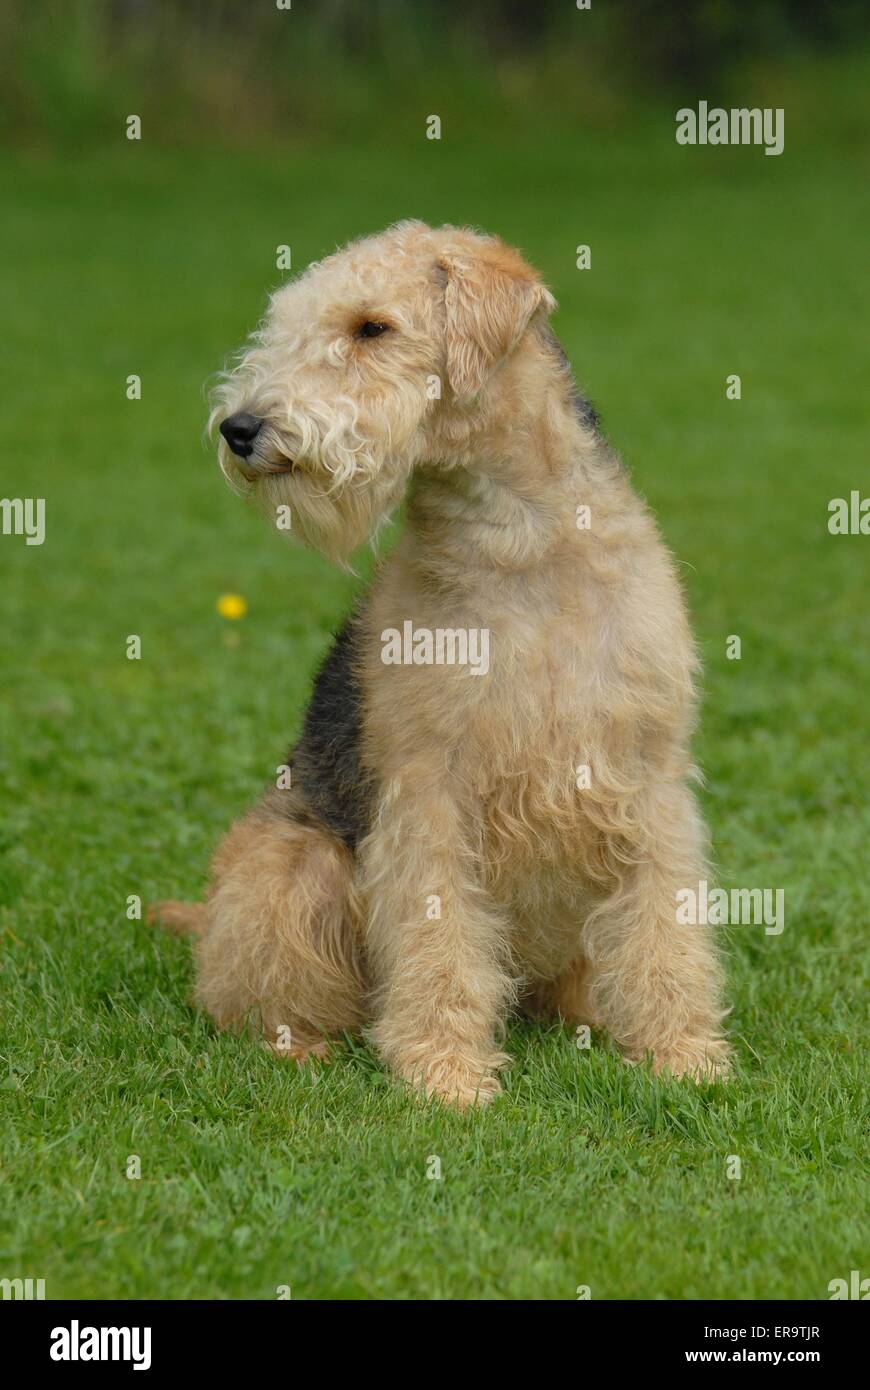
[521, 460]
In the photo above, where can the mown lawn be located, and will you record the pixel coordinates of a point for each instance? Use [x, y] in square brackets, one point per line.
[119, 775]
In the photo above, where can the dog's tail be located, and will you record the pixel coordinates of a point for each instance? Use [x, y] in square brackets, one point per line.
[181, 919]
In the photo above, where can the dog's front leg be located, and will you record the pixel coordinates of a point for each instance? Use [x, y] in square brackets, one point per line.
[655, 981]
[436, 945]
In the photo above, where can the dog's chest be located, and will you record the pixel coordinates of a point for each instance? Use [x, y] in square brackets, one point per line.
[527, 748]
[515, 721]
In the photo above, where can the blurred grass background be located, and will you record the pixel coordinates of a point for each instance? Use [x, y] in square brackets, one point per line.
[306, 127]
[237, 72]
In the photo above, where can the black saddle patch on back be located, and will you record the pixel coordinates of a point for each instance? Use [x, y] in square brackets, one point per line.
[325, 764]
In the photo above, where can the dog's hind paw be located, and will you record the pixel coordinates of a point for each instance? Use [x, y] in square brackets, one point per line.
[695, 1059]
[298, 1052]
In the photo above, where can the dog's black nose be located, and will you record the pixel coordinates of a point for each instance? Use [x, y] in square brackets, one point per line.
[240, 431]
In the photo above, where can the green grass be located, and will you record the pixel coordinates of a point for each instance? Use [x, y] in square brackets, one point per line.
[120, 775]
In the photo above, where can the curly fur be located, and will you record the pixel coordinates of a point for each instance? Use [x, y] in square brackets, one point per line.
[560, 896]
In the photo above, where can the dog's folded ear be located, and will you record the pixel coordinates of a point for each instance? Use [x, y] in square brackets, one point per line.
[490, 297]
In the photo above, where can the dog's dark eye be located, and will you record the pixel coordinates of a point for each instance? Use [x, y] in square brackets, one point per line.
[371, 330]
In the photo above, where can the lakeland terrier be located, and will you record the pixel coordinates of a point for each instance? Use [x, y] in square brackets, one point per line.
[490, 802]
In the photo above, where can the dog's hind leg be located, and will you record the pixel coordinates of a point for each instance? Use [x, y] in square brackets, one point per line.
[281, 947]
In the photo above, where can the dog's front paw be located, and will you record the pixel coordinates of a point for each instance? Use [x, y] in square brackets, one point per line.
[698, 1059]
[456, 1080]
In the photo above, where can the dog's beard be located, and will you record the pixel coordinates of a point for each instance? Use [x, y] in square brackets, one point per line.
[332, 518]
[332, 509]
[334, 468]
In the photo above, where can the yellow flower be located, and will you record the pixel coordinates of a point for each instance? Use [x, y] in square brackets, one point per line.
[232, 606]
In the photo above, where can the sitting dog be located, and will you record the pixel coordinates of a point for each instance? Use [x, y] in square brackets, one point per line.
[490, 802]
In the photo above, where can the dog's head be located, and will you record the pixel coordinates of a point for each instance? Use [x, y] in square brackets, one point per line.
[373, 361]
